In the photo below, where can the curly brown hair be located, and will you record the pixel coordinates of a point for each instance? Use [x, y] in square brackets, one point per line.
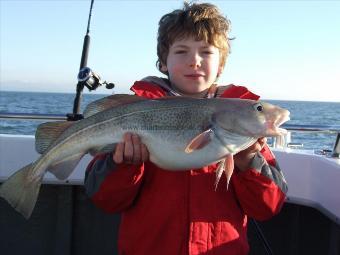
[199, 21]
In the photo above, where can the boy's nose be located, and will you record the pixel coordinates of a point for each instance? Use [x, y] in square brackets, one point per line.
[195, 61]
[194, 65]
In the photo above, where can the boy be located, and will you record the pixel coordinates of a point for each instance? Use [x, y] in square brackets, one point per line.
[165, 212]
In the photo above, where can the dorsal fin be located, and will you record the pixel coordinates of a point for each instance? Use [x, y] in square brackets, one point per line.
[110, 102]
[48, 132]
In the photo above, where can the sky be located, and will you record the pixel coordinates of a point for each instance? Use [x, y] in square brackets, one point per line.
[288, 50]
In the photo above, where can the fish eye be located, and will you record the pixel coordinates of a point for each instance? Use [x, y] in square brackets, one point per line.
[258, 107]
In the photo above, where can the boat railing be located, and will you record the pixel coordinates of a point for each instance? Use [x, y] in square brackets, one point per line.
[276, 142]
[31, 116]
[286, 140]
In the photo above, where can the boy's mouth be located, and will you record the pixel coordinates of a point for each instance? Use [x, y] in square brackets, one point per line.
[193, 76]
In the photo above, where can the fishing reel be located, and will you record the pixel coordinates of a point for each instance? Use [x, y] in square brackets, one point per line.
[92, 80]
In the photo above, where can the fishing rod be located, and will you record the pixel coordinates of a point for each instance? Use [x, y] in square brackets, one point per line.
[86, 77]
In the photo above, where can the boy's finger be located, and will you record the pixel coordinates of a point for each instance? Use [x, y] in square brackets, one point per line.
[137, 156]
[118, 155]
[262, 141]
[144, 152]
[128, 148]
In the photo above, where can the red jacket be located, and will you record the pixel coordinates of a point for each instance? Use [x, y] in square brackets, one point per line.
[165, 212]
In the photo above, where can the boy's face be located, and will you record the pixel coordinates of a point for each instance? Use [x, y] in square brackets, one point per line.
[192, 65]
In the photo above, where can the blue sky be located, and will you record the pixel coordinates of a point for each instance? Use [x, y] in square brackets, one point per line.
[286, 50]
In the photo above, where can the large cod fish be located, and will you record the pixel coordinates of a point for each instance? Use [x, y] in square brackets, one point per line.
[180, 134]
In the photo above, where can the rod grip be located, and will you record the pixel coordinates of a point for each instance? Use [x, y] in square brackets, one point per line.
[85, 52]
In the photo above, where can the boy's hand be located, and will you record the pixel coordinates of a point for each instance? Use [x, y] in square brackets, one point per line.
[131, 150]
[243, 158]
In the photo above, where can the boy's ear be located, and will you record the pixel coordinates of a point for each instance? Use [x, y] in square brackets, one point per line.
[220, 70]
[164, 68]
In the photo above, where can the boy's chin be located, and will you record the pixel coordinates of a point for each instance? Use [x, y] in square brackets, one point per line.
[199, 89]
[192, 89]
[195, 92]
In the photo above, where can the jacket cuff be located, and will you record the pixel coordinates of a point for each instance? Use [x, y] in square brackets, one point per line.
[97, 173]
[274, 173]
[257, 162]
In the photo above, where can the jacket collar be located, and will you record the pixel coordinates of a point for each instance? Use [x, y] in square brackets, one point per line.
[156, 87]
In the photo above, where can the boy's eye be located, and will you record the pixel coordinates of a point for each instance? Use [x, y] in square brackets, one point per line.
[180, 52]
[208, 52]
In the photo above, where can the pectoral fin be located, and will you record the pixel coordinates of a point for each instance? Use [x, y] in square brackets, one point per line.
[63, 168]
[199, 141]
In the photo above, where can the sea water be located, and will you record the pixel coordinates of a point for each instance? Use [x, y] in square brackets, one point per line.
[302, 113]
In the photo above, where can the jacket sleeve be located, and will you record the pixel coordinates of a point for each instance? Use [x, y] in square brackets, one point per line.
[261, 189]
[112, 187]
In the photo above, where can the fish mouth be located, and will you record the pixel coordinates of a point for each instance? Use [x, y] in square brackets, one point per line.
[273, 127]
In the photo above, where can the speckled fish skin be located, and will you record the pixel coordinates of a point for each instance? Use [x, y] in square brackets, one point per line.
[166, 127]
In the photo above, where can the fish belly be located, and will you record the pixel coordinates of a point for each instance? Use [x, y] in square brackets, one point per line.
[170, 154]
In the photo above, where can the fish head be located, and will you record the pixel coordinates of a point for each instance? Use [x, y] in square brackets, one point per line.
[252, 118]
[274, 117]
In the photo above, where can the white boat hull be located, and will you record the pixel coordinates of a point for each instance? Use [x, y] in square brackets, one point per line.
[313, 180]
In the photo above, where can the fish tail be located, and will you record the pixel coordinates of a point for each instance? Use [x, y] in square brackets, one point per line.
[21, 192]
